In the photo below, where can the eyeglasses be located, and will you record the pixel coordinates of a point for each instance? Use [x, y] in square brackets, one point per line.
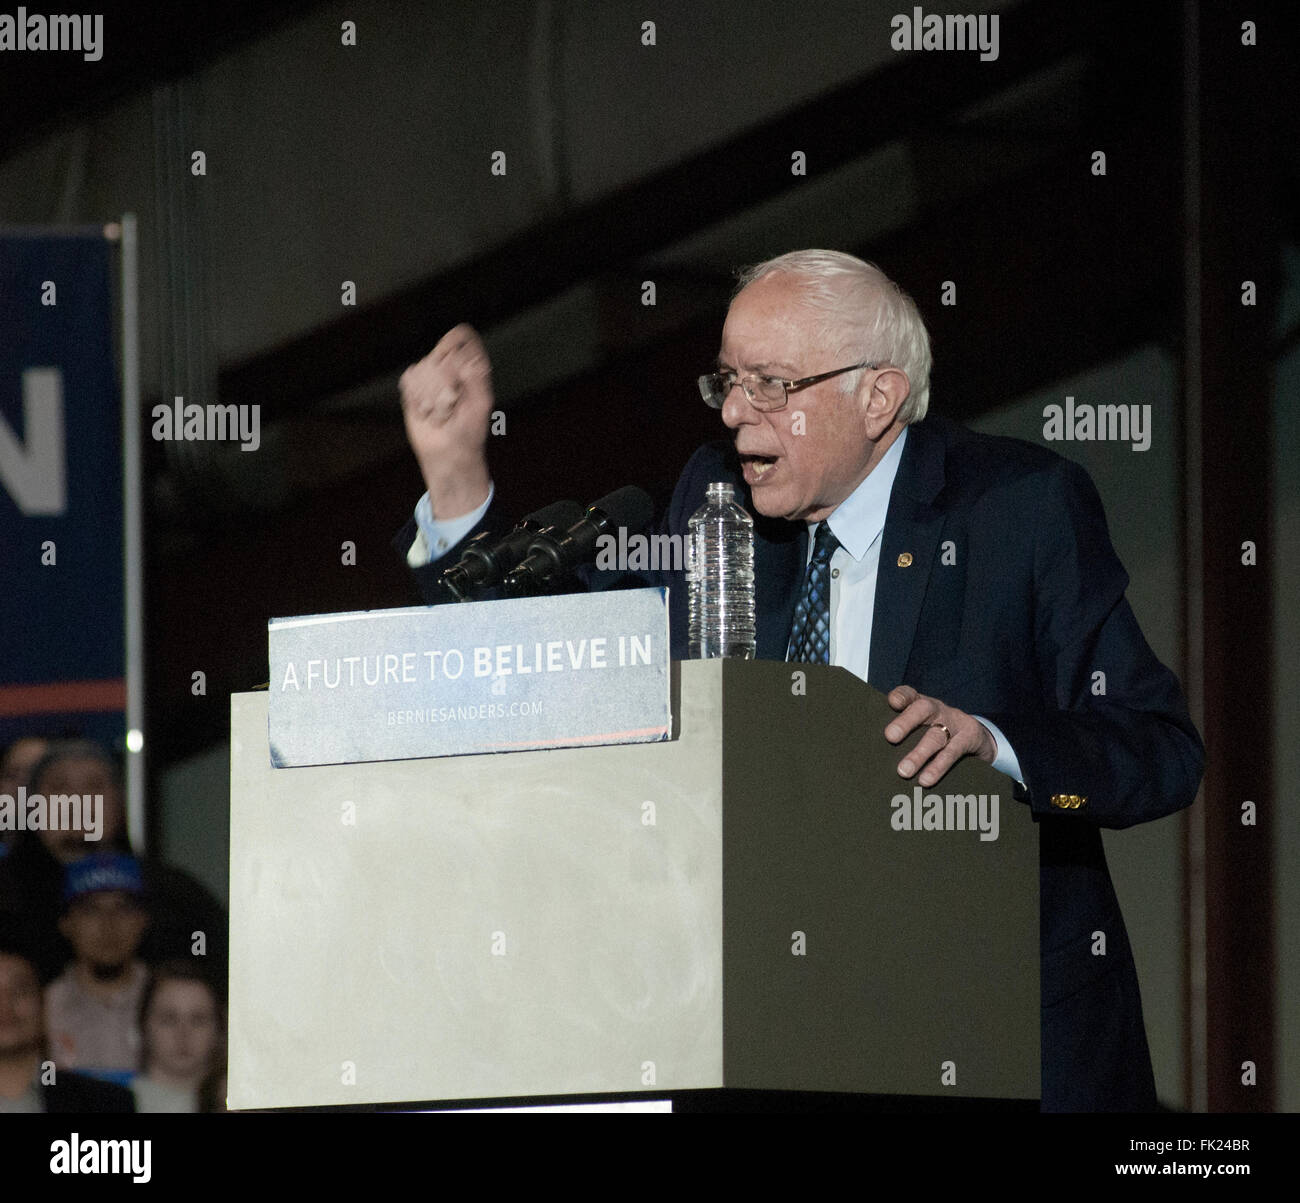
[764, 392]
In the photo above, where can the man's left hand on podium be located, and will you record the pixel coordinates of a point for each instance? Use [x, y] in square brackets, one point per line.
[952, 734]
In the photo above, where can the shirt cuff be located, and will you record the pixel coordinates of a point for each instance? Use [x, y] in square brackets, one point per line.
[1005, 760]
[436, 536]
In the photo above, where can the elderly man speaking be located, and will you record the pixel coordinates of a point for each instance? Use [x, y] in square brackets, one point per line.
[971, 578]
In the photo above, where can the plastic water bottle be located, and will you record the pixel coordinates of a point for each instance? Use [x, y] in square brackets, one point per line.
[720, 578]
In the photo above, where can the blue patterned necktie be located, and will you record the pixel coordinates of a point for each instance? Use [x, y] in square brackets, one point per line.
[810, 636]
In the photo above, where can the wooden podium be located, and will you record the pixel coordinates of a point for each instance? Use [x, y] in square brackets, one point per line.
[735, 907]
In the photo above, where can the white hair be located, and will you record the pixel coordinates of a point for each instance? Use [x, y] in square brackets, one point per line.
[873, 318]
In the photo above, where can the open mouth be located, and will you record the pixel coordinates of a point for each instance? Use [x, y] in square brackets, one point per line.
[756, 467]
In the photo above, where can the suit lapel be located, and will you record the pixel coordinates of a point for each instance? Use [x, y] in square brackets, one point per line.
[913, 526]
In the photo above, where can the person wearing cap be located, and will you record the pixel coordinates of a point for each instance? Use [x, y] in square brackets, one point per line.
[29, 1082]
[92, 1008]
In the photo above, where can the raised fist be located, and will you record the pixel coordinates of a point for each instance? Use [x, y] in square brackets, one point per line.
[447, 404]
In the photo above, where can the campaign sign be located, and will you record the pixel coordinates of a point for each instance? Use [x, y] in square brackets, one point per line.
[62, 589]
[497, 676]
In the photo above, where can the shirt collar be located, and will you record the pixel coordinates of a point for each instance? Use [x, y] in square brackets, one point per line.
[858, 520]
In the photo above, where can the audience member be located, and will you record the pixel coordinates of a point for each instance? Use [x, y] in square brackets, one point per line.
[17, 760]
[182, 1027]
[29, 1082]
[92, 1009]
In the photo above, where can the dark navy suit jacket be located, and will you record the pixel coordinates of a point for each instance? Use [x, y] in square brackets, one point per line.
[1011, 605]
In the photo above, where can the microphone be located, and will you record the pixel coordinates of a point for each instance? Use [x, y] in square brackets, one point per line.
[481, 565]
[552, 554]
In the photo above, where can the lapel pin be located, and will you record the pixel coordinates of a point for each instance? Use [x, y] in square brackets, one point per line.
[905, 559]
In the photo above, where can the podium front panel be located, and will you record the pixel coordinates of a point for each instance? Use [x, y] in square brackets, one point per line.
[540, 922]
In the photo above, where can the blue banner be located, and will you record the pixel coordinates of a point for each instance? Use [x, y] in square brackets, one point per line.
[62, 642]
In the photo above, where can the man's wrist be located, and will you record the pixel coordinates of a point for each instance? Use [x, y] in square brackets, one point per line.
[453, 495]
